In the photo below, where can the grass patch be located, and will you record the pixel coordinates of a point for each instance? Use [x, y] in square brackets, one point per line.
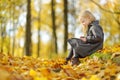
[101, 56]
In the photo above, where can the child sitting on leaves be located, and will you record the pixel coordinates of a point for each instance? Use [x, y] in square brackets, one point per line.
[86, 45]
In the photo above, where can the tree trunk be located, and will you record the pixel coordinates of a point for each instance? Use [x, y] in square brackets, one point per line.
[13, 17]
[54, 26]
[2, 37]
[65, 25]
[3, 34]
[39, 28]
[28, 45]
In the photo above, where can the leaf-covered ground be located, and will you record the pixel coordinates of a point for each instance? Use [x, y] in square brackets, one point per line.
[103, 65]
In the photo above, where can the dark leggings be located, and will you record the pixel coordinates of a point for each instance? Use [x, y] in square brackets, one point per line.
[72, 54]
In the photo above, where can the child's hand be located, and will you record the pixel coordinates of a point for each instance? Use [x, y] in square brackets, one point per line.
[81, 36]
[83, 39]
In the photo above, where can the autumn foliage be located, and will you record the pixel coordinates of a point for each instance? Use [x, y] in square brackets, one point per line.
[103, 65]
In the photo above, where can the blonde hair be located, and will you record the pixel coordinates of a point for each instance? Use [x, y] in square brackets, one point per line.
[85, 15]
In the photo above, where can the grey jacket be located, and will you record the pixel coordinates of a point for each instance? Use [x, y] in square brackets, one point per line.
[95, 38]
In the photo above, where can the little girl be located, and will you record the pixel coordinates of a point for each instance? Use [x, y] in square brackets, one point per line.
[86, 45]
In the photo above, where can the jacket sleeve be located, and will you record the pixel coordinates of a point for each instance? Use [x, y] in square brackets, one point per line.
[96, 36]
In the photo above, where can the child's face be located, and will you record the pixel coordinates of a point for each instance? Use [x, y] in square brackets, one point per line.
[85, 22]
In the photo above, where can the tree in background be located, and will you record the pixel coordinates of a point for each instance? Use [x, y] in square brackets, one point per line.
[65, 25]
[54, 26]
[39, 28]
[28, 46]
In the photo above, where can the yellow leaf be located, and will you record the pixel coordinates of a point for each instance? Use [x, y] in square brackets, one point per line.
[40, 78]
[33, 73]
[45, 72]
[83, 78]
[94, 77]
[70, 72]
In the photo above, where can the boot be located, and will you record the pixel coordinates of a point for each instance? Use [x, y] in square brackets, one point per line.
[75, 61]
[66, 61]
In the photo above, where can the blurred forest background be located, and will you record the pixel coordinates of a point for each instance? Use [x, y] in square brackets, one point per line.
[41, 27]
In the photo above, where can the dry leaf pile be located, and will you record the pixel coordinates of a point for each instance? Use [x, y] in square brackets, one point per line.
[29, 68]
